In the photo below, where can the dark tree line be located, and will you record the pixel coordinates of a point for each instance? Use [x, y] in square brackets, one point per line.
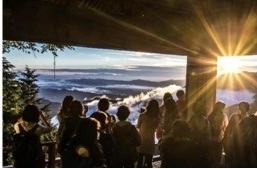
[20, 89]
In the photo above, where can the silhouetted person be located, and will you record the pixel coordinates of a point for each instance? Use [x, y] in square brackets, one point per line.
[29, 123]
[218, 123]
[170, 114]
[253, 105]
[112, 123]
[63, 113]
[159, 130]
[181, 103]
[105, 138]
[113, 119]
[244, 108]
[228, 136]
[166, 96]
[201, 132]
[179, 150]
[104, 105]
[147, 124]
[85, 109]
[76, 112]
[126, 138]
[83, 150]
[244, 151]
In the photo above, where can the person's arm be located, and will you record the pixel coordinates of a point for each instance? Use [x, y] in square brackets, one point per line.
[43, 120]
[159, 132]
[226, 121]
[45, 127]
[16, 125]
[16, 128]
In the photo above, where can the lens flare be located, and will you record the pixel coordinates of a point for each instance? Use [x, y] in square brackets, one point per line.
[228, 65]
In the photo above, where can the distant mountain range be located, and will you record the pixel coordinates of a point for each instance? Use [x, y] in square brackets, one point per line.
[104, 86]
[138, 82]
[235, 81]
[238, 81]
[55, 95]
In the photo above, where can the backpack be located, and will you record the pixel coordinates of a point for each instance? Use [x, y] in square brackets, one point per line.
[71, 159]
[27, 150]
[126, 140]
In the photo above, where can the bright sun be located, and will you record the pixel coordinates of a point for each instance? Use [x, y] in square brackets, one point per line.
[228, 65]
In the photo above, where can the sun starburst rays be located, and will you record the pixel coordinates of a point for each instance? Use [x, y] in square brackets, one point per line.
[248, 30]
[221, 30]
[231, 34]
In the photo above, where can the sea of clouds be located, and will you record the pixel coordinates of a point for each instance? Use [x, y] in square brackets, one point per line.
[135, 103]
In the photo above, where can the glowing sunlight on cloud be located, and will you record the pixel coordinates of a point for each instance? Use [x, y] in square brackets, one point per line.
[236, 64]
[126, 67]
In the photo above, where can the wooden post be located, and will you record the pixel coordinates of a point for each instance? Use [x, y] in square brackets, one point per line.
[51, 151]
[201, 82]
[51, 155]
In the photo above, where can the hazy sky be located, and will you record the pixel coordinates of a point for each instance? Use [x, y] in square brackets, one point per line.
[94, 58]
[87, 58]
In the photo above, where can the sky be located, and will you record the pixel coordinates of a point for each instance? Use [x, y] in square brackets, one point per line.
[93, 58]
[83, 58]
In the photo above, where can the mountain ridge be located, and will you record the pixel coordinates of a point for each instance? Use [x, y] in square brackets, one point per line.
[139, 82]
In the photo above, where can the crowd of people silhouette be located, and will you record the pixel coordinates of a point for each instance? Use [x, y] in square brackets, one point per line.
[201, 140]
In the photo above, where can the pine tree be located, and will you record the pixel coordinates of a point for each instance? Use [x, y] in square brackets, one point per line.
[29, 87]
[29, 95]
[11, 106]
[11, 100]
[18, 93]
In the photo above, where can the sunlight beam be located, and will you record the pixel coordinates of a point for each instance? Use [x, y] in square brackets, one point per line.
[138, 29]
[209, 29]
[243, 45]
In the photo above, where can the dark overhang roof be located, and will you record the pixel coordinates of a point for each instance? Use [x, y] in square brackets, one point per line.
[183, 27]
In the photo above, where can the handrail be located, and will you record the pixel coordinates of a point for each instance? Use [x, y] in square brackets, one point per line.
[52, 160]
[51, 152]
